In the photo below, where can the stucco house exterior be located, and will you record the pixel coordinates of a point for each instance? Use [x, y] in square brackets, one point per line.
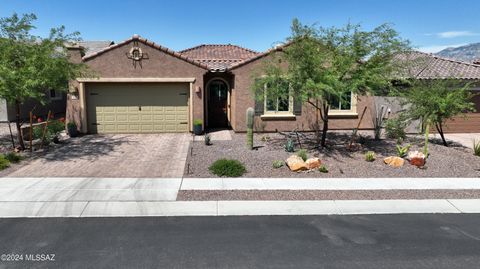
[143, 87]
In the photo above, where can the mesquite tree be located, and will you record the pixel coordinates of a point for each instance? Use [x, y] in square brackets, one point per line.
[326, 64]
[435, 101]
[31, 65]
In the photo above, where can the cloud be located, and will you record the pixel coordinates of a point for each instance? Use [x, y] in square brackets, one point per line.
[437, 48]
[454, 34]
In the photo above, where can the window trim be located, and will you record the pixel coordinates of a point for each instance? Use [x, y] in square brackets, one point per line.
[346, 112]
[58, 95]
[271, 113]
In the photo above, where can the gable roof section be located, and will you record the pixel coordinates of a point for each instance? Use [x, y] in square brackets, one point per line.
[94, 46]
[148, 43]
[260, 55]
[218, 57]
[428, 66]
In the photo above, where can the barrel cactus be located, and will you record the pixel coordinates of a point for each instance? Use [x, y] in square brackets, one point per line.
[250, 113]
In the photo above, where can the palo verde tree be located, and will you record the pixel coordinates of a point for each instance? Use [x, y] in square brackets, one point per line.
[31, 65]
[325, 65]
[433, 102]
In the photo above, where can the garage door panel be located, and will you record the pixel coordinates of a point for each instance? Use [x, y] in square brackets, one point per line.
[137, 108]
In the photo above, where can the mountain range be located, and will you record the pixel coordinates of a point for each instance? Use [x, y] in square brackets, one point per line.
[467, 53]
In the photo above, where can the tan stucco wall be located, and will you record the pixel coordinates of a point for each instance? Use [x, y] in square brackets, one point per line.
[115, 64]
[243, 98]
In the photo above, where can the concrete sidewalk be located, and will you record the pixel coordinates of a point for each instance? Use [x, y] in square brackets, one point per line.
[109, 197]
[234, 208]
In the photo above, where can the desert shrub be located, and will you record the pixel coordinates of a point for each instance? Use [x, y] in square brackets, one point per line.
[302, 154]
[402, 151]
[395, 128]
[323, 169]
[227, 168]
[476, 148]
[55, 126]
[277, 164]
[370, 156]
[289, 146]
[4, 163]
[13, 157]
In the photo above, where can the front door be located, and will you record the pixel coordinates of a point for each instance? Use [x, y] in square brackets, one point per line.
[217, 104]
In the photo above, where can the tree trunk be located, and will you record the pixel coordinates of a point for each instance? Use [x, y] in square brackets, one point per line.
[17, 123]
[439, 128]
[325, 126]
[317, 124]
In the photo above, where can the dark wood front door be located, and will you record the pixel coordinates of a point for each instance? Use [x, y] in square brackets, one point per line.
[217, 104]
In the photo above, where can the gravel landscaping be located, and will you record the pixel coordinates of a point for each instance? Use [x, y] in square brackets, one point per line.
[453, 161]
[223, 195]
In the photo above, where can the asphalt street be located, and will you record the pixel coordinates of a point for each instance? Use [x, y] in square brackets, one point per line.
[362, 241]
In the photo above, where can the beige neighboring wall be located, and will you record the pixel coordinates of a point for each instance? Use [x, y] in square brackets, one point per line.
[242, 98]
[157, 67]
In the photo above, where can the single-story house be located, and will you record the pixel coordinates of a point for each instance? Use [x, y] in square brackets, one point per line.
[143, 87]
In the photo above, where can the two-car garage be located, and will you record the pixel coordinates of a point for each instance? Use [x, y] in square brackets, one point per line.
[137, 107]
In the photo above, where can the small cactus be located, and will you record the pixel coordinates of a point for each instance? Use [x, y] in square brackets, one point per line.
[208, 140]
[289, 147]
[250, 113]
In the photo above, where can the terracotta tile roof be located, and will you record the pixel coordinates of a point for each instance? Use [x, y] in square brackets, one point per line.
[428, 66]
[149, 43]
[219, 57]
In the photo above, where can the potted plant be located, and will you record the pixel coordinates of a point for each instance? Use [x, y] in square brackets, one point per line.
[72, 129]
[197, 127]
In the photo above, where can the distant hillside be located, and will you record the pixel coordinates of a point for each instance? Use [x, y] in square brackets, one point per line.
[467, 53]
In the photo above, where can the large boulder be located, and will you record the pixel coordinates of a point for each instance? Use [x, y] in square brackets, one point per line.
[296, 163]
[394, 161]
[313, 163]
[416, 158]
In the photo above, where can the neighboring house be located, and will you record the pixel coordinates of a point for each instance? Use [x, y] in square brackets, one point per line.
[142, 87]
[56, 98]
[56, 104]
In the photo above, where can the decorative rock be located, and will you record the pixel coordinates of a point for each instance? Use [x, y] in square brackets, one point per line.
[296, 163]
[394, 161]
[416, 158]
[313, 163]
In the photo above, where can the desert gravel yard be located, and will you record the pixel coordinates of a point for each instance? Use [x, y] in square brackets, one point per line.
[453, 161]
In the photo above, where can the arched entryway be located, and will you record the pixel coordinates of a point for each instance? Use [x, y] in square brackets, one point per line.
[217, 103]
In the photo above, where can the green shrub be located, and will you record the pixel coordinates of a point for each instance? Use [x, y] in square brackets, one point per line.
[227, 168]
[476, 148]
[370, 156]
[55, 126]
[197, 122]
[71, 125]
[13, 157]
[289, 146]
[302, 154]
[395, 128]
[323, 169]
[402, 151]
[4, 163]
[277, 164]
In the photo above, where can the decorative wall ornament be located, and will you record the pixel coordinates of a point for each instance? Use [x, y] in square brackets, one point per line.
[136, 55]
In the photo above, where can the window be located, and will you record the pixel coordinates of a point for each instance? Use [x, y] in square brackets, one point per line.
[281, 104]
[344, 103]
[54, 95]
[347, 106]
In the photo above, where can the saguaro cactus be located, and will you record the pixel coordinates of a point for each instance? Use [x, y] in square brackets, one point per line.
[250, 113]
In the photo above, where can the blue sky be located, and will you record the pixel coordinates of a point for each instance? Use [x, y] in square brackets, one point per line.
[430, 24]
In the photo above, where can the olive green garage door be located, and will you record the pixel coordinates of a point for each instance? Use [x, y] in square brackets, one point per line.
[137, 107]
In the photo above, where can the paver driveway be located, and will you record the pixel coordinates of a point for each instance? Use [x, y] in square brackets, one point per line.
[146, 155]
